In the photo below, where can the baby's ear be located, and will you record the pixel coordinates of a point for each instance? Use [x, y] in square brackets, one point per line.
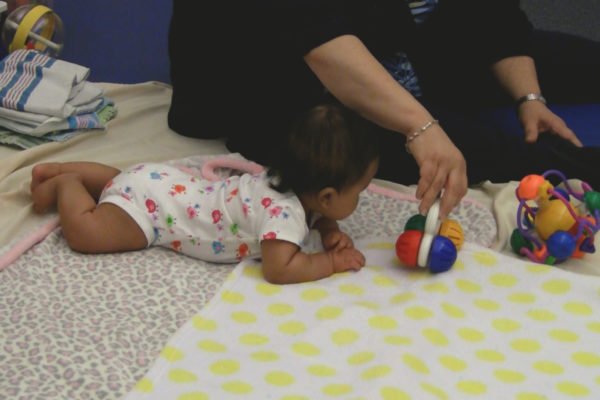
[326, 196]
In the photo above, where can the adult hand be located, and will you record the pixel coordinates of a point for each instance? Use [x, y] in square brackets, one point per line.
[535, 118]
[441, 166]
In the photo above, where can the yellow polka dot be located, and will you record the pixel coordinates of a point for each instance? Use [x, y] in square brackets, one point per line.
[578, 308]
[361, 358]
[243, 317]
[525, 345]
[572, 389]
[402, 298]
[352, 289]
[468, 286]
[279, 378]
[264, 356]
[232, 297]
[586, 359]
[376, 371]
[193, 396]
[203, 324]
[328, 312]
[237, 387]
[343, 337]
[486, 304]
[505, 325]
[367, 304]
[280, 309]
[556, 286]
[144, 385]
[182, 376]
[503, 280]
[381, 246]
[392, 393]
[415, 363]
[509, 376]
[436, 287]
[548, 367]
[398, 340]
[321, 370]
[171, 354]
[471, 334]
[453, 363]
[336, 389]
[382, 322]
[294, 397]
[538, 268]
[313, 294]
[485, 258]
[541, 315]
[522, 297]
[471, 387]
[383, 281]
[435, 336]
[305, 349]
[489, 355]
[267, 289]
[563, 335]
[418, 312]
[530, 396]
[434, 390]
[458, 265]
[253, 339]
[452, 310]
[292, 327]
[211, 346]
[253, 271]
[594, 327]
[224, 367]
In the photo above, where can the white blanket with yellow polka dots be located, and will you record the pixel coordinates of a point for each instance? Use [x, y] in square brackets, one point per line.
[494, 327]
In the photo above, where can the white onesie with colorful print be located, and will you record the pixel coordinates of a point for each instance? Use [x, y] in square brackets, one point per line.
[222, 221]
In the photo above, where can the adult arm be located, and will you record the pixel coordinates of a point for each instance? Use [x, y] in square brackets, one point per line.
[518, 76]
[354, 76]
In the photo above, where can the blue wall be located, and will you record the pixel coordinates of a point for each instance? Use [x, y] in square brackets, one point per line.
[123, 41]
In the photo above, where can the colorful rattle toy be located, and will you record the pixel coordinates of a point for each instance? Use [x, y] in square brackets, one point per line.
[562, 224]
[423, 245]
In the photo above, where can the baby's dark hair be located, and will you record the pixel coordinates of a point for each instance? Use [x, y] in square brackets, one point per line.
[329, 146]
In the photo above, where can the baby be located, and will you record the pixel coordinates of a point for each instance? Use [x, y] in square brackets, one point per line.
[327, 160]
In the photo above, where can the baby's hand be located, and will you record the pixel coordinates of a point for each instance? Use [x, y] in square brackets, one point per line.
[347, 259]
[336, 240]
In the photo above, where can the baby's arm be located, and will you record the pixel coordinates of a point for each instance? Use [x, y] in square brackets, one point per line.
[331, 235]
[284, 262]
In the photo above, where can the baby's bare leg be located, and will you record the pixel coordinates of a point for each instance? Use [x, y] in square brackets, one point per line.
[94, 177]
[92, 228]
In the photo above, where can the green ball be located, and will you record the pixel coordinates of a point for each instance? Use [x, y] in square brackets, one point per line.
[518, 241]
[415, 223]
[592, 201]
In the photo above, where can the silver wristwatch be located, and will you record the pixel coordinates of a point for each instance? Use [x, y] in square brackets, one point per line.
[530, 97]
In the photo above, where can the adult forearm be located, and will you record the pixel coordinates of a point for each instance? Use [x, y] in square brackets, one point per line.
[354, 76]
[517, 75]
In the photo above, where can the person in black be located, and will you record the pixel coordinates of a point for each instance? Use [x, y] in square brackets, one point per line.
[422, 71]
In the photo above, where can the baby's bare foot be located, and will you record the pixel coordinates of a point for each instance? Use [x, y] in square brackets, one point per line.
[42, 172]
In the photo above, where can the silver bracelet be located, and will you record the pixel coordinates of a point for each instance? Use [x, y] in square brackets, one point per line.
[415, 134]
[530, 97]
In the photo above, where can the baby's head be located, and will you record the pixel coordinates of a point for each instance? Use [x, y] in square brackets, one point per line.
[330, 156]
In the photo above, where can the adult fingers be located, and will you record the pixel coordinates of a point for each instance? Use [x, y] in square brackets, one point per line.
[531, 132]
[562, 130]
[454, 191]
[434, 189]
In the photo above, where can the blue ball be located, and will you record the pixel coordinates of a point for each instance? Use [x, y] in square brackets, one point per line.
[442, 254]
[561, 245]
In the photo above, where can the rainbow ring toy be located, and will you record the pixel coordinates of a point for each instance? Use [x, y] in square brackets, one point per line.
[555, 223]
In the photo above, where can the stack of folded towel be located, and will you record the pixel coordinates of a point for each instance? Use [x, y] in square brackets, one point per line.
[43, 99]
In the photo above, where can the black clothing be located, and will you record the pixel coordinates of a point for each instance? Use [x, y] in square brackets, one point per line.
[251, 80]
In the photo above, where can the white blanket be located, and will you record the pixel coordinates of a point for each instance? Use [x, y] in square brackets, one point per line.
[494, 327]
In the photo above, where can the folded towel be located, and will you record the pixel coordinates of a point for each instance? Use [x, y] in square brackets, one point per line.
[36, 83]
